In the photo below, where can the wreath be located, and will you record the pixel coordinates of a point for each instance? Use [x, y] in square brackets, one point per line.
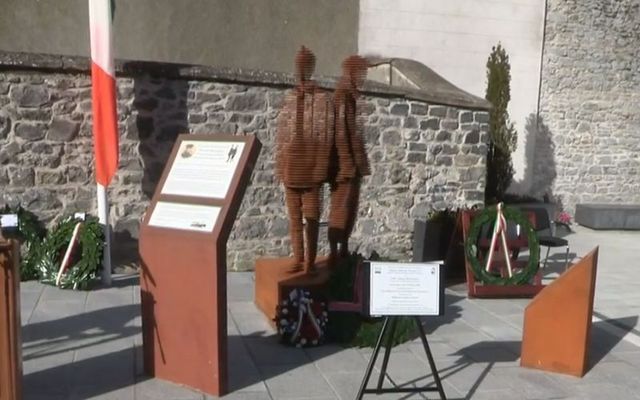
[488, 217]
[29, 233]
[86, 263]
[301, 320]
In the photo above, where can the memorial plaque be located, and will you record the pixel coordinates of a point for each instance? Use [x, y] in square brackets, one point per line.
[183, 239]
[191, 217]
[203, 169]
[414, 289]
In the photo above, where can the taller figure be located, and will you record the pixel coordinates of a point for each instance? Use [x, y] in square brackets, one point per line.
[349, 162]
[304, 140]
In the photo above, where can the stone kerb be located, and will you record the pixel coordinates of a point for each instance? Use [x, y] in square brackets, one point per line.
[424, 155]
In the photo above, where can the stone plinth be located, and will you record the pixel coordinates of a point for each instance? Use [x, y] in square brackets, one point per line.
[276, 277]
[609, 216]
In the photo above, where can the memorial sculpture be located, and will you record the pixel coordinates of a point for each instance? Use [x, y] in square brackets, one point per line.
[319, 140]
[304, 140]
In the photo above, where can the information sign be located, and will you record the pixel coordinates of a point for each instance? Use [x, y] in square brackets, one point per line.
[191, 217]
[203, 168]
[405, 288]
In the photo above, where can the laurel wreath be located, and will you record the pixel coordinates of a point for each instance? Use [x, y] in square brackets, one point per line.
[86, 263]
[29, 234]
[487, 217]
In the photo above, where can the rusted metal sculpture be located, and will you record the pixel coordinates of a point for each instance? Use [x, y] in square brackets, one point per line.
[349, 161]
[304, 140]
[319, 139]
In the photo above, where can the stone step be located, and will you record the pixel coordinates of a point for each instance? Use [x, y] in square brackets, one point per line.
[609, 216]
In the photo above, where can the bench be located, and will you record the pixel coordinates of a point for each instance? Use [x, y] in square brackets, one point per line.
[609, 216]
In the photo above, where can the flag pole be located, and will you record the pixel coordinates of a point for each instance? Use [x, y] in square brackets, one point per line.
[105, 118]
[103, 217]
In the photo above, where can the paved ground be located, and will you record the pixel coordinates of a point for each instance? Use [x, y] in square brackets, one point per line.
[82, 345]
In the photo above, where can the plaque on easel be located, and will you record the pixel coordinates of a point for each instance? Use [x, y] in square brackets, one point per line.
[392, 290]
[183, 239]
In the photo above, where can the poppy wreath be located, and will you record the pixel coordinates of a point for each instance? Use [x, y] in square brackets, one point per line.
[301, 319]
[87, 262]
[489, 216]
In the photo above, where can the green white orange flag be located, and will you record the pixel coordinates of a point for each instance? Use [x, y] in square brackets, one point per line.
[105, 120]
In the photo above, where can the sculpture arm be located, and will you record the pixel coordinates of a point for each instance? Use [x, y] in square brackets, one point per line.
[346, 167]
[284, 132]
[357, 141]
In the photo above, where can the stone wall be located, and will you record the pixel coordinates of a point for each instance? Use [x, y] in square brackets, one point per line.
[424, 156]
[588, 136]
[239, 33]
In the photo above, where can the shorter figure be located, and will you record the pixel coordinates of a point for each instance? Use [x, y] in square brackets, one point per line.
[349, 161]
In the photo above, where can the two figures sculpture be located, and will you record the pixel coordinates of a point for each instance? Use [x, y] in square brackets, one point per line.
[319, 140]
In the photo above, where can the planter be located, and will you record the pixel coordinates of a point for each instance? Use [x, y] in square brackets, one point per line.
[428, 238]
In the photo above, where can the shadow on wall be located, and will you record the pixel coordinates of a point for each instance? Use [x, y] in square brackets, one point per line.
[540, 166]
[543, 162]
[160, 114]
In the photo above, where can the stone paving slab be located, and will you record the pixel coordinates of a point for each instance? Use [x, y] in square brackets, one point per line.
[87, 345]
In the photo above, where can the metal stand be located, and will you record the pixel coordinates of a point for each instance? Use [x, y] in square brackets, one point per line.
[385, 361]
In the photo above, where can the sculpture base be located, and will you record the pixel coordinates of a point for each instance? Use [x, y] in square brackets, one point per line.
[276, 277]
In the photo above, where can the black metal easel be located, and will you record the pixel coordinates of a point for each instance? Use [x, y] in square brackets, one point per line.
[385, 361]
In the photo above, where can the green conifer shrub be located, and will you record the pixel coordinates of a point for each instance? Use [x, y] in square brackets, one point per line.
[502, 134]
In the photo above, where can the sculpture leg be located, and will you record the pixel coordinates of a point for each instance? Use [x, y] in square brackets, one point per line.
[293, 198]
[337, 216]
[311, 204]
[353, 197]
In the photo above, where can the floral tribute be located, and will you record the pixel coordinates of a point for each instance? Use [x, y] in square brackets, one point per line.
[563, 218]
[301, 319]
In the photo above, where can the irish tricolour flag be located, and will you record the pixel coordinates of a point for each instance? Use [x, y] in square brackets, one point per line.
[105, 120]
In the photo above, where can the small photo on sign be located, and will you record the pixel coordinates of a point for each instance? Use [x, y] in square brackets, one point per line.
[189, 150]
[232, 153]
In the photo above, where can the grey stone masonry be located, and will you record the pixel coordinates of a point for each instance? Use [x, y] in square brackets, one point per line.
[424, 156]
[589, 105]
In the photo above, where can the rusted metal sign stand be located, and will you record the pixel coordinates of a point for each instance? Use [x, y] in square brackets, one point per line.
[183, 249]
[10, 342]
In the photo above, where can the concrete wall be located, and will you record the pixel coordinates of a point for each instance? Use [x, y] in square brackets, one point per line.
[424, 155]
[255, 34]
[455, 39]
[589, 128]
